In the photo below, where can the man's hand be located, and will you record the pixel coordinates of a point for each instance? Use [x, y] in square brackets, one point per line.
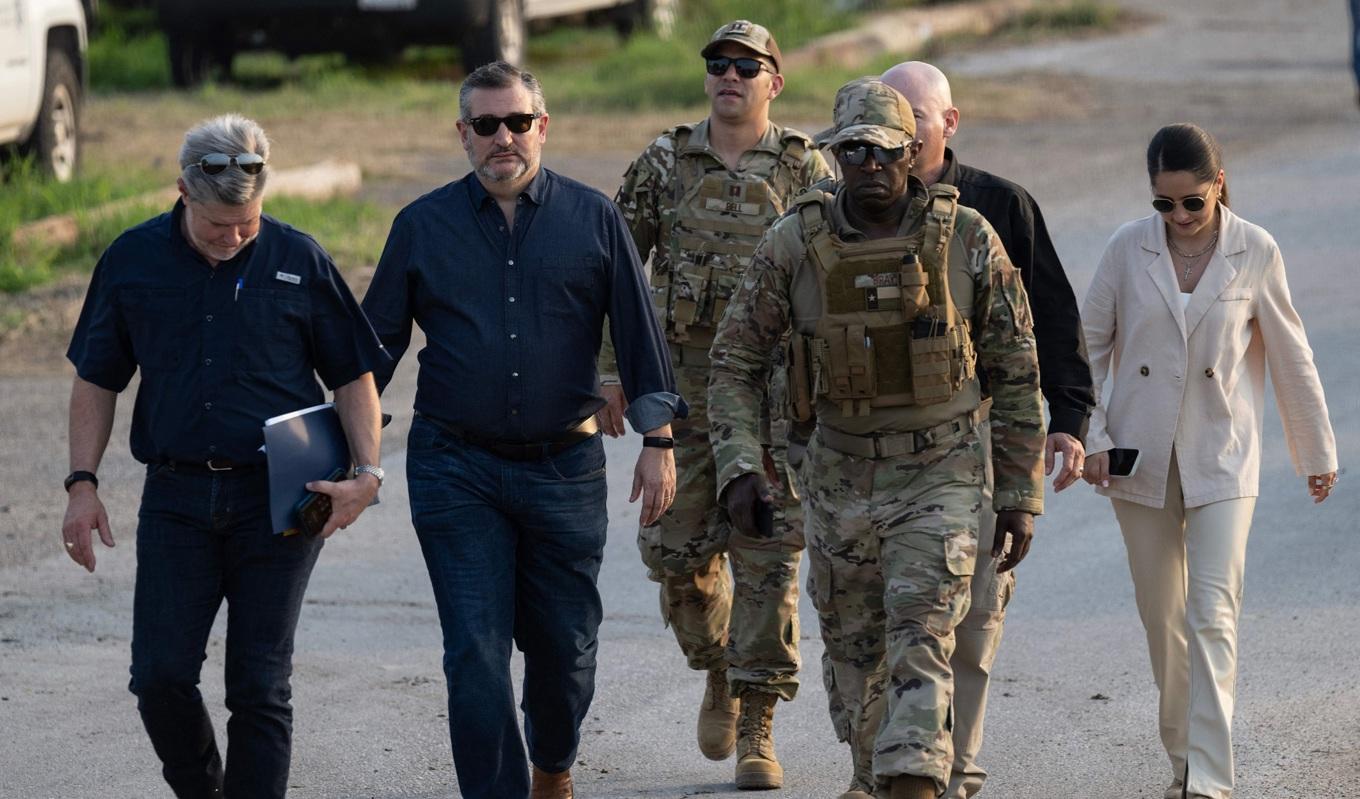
[743, 499]
[348, 499]
[84, 512]
[1074, 459]
[1019, 525]
[610, 417]
[654, 481]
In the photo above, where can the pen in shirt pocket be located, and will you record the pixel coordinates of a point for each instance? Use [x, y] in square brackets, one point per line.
[240, 281]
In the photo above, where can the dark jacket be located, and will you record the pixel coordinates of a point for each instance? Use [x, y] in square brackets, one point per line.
[1064, 374]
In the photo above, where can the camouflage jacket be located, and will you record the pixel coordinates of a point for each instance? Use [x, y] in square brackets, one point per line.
[650, 190]
[775, 293]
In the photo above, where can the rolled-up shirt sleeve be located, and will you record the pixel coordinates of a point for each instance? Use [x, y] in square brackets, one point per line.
[640, 347]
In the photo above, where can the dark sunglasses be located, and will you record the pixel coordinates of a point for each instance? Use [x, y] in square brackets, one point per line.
[487, 125]
[746, 67]
[854, 154]
[217, 163]
[1194, 205]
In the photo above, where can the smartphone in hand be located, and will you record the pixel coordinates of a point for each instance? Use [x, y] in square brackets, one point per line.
[1124, 462]
[315, 509]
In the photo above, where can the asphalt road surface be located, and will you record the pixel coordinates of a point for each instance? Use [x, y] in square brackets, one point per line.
[1073, 707]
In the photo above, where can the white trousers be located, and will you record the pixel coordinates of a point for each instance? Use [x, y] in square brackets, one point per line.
[1187, 566]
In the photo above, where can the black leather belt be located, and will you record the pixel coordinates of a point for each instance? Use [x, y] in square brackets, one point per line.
[519, 451]
[212, 466]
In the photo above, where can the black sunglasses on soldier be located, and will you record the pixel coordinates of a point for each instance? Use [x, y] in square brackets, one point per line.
[746, 67]
[487, 125]
[216, 163]
[854, 153]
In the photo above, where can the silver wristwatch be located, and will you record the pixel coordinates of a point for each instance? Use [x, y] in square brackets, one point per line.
[376, 471]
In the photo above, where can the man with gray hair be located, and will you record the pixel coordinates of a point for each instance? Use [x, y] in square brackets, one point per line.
[511, 271]
[230, 316]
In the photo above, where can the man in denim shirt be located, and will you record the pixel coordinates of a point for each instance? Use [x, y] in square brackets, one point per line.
[511, 272]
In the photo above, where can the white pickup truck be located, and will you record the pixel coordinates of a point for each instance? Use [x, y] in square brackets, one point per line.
[42, 81]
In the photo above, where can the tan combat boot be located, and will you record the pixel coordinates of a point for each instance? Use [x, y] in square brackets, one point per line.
[910, 786]
[757, 768]
[718, 718]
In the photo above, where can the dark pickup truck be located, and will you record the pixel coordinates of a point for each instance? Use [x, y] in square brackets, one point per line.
[204, 35]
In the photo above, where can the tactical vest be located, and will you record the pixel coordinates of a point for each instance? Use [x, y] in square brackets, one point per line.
[717, 221]
[889, 333]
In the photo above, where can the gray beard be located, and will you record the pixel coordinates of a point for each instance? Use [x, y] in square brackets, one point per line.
[486, 173]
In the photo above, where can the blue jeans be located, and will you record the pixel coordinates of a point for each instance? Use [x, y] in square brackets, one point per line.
[513, 550]
[202, 538]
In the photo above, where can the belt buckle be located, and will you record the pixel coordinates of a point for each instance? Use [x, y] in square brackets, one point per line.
[212, 468]
[923, 440]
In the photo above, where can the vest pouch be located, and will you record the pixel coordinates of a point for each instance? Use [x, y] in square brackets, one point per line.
[852, 377]
[932, 373]
[690, 292]
[912, 283]
[661, 294]
[801, 383]
[724, 284]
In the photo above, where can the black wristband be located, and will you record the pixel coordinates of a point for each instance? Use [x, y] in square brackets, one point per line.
[78, 476]
[660, 442]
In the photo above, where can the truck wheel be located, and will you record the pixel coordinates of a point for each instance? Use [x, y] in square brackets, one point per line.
[192, 61]
[56, 140]
[657, 16]
[501, 39]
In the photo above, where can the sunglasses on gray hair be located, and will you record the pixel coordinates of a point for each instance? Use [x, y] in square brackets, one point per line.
[216, 163]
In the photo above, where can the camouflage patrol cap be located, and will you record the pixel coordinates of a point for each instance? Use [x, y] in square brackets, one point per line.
[756, 38]
[869, 110]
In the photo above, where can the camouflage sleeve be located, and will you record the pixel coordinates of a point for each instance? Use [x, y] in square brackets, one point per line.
[742, 353]
[637, 198]
[815, 170]
[1003, 333]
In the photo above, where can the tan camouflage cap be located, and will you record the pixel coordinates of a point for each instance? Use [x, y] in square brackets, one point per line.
[869, 110]
[756, 38]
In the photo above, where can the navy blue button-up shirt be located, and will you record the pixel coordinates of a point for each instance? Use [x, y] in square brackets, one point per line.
[220, 349]
[513, 318]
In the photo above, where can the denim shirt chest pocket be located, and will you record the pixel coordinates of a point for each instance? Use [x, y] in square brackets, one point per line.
[567, 286]
[272, 331]
[158, 323]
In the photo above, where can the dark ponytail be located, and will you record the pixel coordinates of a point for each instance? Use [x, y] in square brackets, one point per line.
[1186, 148]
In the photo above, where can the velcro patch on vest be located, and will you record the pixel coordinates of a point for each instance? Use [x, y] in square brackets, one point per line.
[734, 207]
[878, 281]
[887, 298]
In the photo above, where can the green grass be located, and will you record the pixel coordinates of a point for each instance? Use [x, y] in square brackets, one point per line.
[1063, 18]
[352, 231]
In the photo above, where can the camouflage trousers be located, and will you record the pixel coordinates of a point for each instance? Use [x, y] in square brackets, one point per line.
[976, 641]
[892, 544]
[732, 600]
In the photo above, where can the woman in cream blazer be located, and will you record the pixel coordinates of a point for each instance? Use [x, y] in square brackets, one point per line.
[1186, 310]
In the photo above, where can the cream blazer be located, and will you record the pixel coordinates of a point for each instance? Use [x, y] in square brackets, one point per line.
[1195, 379]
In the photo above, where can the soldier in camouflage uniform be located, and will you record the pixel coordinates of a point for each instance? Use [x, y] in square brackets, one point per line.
[698, 200]
[897, 296]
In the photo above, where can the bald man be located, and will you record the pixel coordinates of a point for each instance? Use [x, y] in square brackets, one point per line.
[1065, 379]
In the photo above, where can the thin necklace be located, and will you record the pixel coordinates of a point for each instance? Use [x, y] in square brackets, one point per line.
[1191, 258]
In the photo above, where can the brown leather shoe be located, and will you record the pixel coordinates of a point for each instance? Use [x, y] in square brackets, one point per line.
[546, 785]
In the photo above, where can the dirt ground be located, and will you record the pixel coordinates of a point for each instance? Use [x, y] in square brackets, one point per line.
[1073, 706]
